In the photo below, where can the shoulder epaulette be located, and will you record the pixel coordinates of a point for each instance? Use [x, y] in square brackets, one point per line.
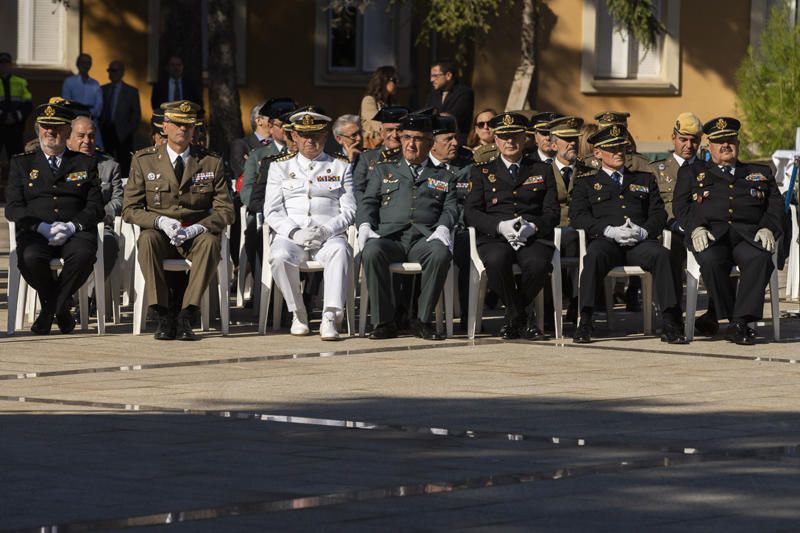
[29, 152]
[385, 162]
[386, 153]
[146, 151]
[340, 156]
[585, 171]
[482, 163]
[285, 157]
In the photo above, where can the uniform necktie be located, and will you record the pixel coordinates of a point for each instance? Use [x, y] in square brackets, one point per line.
[549, 160]
[566, 172]
[265, 141]
[514, 171]
[53, 160]
[727, 170]
[617, 177]
[415, 169]
[179, 168]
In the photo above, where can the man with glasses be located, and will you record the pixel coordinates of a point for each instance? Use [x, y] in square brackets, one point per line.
[309, 205]
[449, 95]
[513, 206]
[390, 118]
[623, 214]
[406, 214]
[732, 214]
[178, 194]
[347, 133]
[121, 116]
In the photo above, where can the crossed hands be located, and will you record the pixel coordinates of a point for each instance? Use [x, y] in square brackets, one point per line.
[627, 234]
[177, 234]
[56, 233]
[517, 231]
[312, 237]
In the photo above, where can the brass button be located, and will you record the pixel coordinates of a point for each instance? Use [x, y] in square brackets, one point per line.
[621, 197]
[730, 210]
[55, 197]
[730, 222]
[730, 197]
[622, 207]
[55, 210]
[730, 186]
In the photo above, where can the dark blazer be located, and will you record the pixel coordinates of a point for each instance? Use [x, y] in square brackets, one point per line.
[35, 194]
[238, 153]
[460, 103]
[745, 202]
[597, 201]
[495, 196]
[161, 92]
[127, 114]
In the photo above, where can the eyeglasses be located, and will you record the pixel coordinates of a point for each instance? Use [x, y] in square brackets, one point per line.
[482, 124]
[353, 137]
[413, 138]
[437, 74]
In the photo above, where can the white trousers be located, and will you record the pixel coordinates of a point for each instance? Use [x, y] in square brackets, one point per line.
[335, 255]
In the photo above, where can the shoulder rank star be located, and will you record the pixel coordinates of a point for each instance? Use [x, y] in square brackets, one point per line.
[598, 186]
[34, 174]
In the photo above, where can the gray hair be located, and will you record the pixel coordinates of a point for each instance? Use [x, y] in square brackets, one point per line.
[342, 121]
[254, 113]
[81, 117]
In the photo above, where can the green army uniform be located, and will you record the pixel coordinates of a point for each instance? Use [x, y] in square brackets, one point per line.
[666, 173]
[252, 165]
[405, 211]
[200, 196]
[485, 153]
[367, 161]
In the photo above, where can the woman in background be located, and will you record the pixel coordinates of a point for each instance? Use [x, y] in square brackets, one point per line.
[381, 91]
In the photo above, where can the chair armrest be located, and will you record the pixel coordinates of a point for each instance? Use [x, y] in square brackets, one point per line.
[666, 239]
[581, 248]
[12, 236]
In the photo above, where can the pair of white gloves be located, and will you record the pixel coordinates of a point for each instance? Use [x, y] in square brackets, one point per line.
[56, 233]
[702, 237]
[627, 234]
[441, 234]
[311, 237]
[517, 231]
[177, 234]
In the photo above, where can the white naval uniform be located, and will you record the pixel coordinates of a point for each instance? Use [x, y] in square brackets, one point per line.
[302, 193]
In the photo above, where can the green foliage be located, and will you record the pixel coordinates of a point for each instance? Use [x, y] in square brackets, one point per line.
[639, 18]
[768, 94]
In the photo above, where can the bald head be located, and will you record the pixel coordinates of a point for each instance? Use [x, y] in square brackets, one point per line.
[83, 136]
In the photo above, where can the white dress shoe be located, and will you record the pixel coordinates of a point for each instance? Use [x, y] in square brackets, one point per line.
[327, 329]
[300, 324]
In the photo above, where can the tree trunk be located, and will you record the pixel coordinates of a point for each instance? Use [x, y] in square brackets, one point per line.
[223, 91]
[523, 84]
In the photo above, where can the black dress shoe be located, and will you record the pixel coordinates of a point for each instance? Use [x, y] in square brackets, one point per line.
[387, 330]
[706, 325]
[509, 330]
[43, 323]
[531, 331]
[165, 330]
[572, 311]
[183, 328]
[751, 333]
[672, 333]
[737, 332]
[425, 330]
[583, 333]
[66, 322]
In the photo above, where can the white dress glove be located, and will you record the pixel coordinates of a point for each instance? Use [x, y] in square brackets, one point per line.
[169, 226]
[302, 236]
[766, 238]
[187, 234]
[365, 233]
[44, 230]
[441, 234]
[60, 232]
[701, 238]
[506, 229]
[527, 230]
[619, 234]
[637, 232]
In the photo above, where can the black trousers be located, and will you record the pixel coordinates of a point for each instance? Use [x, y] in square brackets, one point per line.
[34, 255]
[755, 267]
[603, 254]
[461, 260]
[110, 251]
[534, 259]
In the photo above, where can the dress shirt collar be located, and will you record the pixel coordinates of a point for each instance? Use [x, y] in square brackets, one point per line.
[561, 165]
[436, 163]
[173, 155]
[543, 156]
[680, 160]
[508, 163]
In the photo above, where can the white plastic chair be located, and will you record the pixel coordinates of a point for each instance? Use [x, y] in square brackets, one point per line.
[184, 265]
[625, 272]
[693, 282]
[19, 291]
[268, 288]
[478, 280]
[246, 280]
[793, 261]
[411, 269]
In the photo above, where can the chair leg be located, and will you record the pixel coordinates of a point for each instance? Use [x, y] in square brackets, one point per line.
[484, 281]
[691, 305]
[14, 277]
[264, 298]
[351, 302]
[139, 299]
[647, 303]
[474, 297]
[363, 307]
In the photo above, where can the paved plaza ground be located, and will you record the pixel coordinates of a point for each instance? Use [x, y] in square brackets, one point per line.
[263, 433]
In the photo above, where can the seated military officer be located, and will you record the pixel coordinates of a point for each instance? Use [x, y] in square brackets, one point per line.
[178, 194]
[733, 217]
[309, 205]
[406, 214]
[54, 197]
[157, 129]
[390, 118]
[513, 206]
[543, 149]
[623, 215]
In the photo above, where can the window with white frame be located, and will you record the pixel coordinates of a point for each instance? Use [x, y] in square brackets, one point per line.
[351, 43]
[614, 61]
[40, 33]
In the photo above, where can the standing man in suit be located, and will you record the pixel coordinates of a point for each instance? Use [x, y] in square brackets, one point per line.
[178, 194]
[121, 116]
[513, 206]
[623, 214]
[733, 216]
[175, 87]
[406, 214]
[449, 95]
[54, 197]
